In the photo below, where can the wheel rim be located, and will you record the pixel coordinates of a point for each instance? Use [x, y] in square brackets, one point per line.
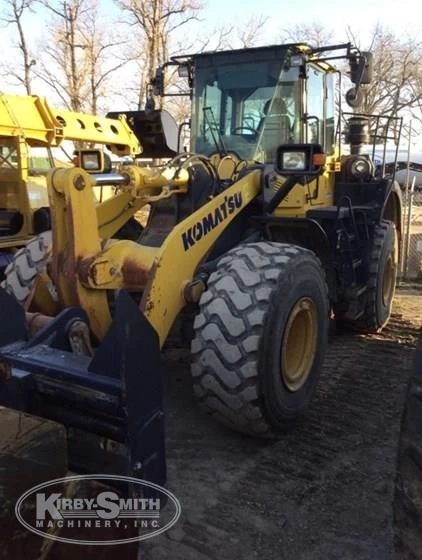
[388, 281]
[299, 344]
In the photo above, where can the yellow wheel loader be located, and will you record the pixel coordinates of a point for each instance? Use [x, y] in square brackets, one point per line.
[255, 237]
[35, 138]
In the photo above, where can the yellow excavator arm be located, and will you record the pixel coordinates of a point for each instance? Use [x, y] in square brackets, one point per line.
[34, 119]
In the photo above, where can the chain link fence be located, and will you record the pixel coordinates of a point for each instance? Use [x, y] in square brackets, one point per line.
[411, 262]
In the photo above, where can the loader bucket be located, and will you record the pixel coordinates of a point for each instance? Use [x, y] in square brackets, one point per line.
[110, 404]
[156, 130]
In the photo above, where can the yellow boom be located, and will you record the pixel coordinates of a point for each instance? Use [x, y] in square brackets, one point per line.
[32, 118]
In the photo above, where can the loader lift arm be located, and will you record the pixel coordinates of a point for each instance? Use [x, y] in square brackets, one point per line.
[34, 119]
[83, 273]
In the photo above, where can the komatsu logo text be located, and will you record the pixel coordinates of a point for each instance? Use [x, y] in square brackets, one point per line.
[211, 220]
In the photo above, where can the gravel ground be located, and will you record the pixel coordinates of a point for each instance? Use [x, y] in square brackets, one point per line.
[324, 490]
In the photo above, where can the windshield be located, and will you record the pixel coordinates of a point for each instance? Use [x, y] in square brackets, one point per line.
[248, 107]
[8, 153]
[39, 157]
[40, 161]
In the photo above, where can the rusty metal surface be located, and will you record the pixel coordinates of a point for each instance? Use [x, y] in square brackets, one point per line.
[121, 264]
[75, 237]
[79, 339]
[133, 274]
[41, 300]
[83, 269]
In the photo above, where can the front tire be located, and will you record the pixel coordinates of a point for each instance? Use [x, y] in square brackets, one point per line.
[260, 337]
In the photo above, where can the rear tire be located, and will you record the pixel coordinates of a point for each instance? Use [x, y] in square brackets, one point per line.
[383, 266]
[260, 337]
[21, 273]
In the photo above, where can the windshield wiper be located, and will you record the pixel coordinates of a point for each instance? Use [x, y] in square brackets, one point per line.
[210, 120]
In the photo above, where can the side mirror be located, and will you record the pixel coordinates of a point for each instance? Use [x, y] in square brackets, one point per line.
[361, 68]
[300, 159]
[185, 70]
[157, 82]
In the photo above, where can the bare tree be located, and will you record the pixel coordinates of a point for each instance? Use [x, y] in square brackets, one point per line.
[103, 56]
[315, 34]
[397, 74]
[252, 31]
[156, 21]
[81, 54]
[13, 14]
[63, 67]
[396, 88]
[217, 39]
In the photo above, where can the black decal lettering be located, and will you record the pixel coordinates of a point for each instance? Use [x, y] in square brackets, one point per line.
[223, 208]
[238, 199]
[207, 223]
[197, 231]
[230, 203]
[187, 239]
[218, 218]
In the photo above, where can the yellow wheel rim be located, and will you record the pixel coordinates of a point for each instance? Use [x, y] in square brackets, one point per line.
[389, 277]
[299, 344]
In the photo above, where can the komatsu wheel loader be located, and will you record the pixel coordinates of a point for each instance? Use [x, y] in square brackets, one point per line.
[254, 239]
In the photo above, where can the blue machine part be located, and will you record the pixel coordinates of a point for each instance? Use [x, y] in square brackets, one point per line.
[115, 395]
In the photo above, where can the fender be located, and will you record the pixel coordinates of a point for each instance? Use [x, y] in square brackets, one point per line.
[393, 210]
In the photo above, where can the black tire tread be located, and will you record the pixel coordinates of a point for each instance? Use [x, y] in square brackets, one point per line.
[21, 273]
[227, 333]
[368, 322]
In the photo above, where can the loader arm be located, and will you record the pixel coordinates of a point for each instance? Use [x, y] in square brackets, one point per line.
[34, 119]
[137, 187]
[83, 273]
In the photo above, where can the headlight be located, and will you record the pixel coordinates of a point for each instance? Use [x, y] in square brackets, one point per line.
[359, 168]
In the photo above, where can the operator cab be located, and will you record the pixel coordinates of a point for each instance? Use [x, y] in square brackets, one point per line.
[251, 101]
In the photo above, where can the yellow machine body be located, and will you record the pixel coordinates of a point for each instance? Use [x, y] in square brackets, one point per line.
[30, 130]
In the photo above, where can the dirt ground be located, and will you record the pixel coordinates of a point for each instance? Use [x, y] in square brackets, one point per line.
[324, 490]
